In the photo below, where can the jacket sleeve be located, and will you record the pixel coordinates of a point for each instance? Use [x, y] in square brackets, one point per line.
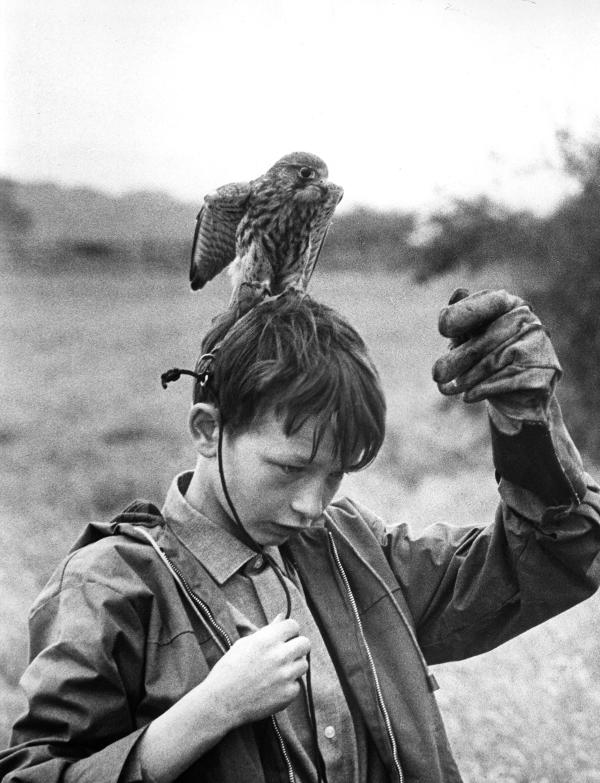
[87, 653]
[470, 589]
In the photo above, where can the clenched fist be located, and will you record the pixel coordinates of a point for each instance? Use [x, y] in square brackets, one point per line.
[256, 677]
[259, 674]
[499, 351]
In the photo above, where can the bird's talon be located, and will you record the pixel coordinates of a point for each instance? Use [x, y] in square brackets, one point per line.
[297, 289]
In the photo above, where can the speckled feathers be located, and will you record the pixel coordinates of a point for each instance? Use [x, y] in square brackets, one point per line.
[270, 230]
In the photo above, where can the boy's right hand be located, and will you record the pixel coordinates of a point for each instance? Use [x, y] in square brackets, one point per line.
[255, 678]
[259, 674]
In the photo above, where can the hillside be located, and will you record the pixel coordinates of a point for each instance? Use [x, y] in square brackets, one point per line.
[58, 213]
[49, 227]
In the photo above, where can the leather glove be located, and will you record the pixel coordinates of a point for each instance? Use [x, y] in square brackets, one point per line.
[500, 352]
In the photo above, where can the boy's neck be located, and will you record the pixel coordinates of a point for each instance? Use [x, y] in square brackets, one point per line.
[201, 496]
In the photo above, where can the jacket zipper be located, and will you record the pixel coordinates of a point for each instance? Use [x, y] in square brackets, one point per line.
[429, 676]
[380, 701]
[221, 636]
[284, 753]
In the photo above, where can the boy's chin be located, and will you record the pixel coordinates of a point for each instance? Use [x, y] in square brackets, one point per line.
[276, 534]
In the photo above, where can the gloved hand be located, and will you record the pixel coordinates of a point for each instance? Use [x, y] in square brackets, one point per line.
[500, 352]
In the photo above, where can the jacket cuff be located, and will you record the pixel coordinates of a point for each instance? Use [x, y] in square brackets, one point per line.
[116, 763]
[538, 455]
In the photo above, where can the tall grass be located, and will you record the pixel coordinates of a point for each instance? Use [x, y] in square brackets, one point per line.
[86, 426]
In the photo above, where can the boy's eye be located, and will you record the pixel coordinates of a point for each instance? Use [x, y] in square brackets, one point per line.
[290, 470]
[336, 477]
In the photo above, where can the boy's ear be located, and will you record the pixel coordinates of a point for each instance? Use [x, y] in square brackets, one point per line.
[204, 425]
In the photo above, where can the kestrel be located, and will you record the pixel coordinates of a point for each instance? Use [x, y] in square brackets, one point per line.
[270, 230]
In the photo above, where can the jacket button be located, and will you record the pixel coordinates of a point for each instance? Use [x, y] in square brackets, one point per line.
[329, 732]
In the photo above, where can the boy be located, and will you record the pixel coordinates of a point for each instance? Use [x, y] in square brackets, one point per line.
[258, 631]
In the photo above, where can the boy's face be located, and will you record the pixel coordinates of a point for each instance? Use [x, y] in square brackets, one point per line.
[275, 487]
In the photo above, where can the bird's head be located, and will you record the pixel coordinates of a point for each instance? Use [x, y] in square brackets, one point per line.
[304, 166]
[302, 173]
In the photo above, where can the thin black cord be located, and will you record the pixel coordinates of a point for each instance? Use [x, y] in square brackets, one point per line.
[247, 537]
[173, 375]
[319, 762]
[312, 719]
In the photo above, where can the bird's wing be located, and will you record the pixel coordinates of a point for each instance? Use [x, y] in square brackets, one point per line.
[213, 247]
[319, 232]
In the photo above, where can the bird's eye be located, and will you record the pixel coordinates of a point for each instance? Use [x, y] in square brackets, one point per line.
[306, 172]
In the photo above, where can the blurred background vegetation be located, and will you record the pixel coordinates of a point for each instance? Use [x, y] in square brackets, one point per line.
[95, 304]
[559, 256]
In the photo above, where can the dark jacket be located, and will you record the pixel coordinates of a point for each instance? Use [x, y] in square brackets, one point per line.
[114, 643]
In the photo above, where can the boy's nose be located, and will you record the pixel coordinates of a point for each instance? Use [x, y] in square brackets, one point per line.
[309, 503]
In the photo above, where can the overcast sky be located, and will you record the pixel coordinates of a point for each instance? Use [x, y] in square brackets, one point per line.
[408, 101]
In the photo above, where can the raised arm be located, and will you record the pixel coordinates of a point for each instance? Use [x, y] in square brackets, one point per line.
[480, 586]
[500, 352]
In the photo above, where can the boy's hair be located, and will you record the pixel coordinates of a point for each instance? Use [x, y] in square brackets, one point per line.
[298, 358]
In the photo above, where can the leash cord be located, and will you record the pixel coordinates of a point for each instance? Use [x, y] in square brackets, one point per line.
[319, 763]
[247, 537]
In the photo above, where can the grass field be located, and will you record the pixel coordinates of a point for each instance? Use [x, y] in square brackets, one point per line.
[86, 427]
